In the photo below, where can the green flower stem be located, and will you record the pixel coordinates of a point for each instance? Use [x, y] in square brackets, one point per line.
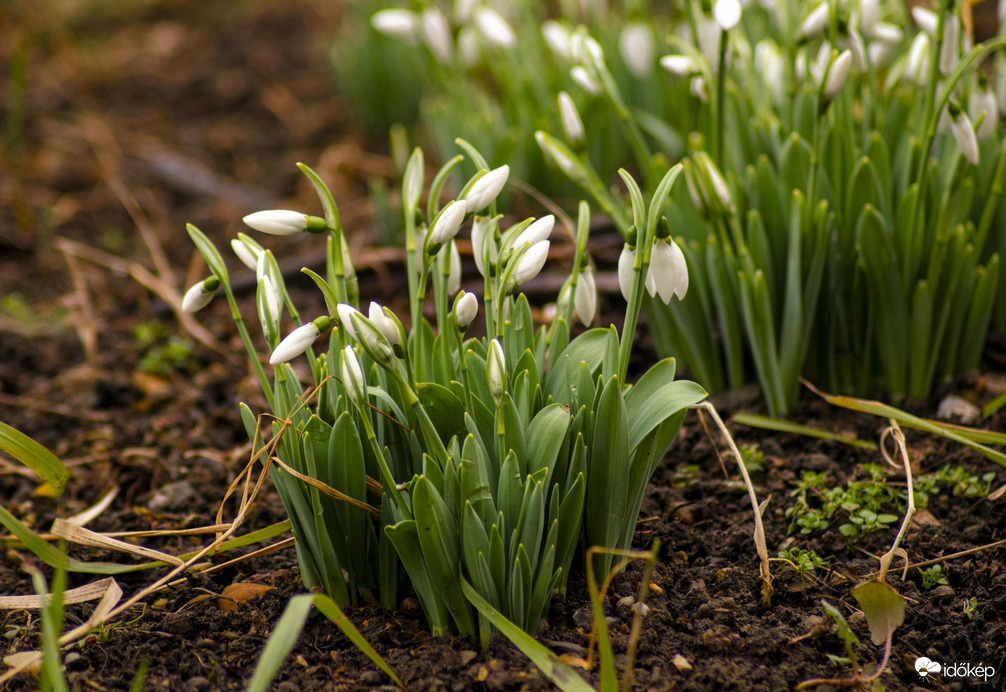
[434, 444]
[628, 335]
[410, 268]
[389, 480]
[719, 106]
[249, 347]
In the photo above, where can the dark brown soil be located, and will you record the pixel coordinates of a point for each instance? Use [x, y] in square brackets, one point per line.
[159, 113]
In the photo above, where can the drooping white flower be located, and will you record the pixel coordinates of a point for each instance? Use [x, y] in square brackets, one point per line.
[494, 29]
[837, 74]
[588, 52]
[583, 78]
[463, 10]
[869, 16]
[400, 24]
[496, 370]
[437, 33]
[886, 32]
[815, 21]
[387, 325]
[270, 302]
[486, 189]
[246, 253]
[558, 38]
[950, 50]
[918, 58]
[983, 109]
[352, 375]
[768, 63]
[466, 306]
[481, 235]
[854, 43]
[585, 298]
[346, 312]
[469, 47]
[636, 46]
[299, 340]
[668, 272]
[964, 133]
[572, 125]
[529, 264]
[680, 65]
[926, 19]
[727, 14]
[200, 295]
[626, 271]
[278, 221]
[448, 222]
[450, 254]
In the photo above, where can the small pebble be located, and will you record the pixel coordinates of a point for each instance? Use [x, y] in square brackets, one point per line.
[641, 608]
[682, 664]
[287, 686]
[942, 593]
[656, 588]
[467, 657]
[370, 677]
[197, 684]
[624, 603]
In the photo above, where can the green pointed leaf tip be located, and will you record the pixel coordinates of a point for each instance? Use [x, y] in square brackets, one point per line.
[33, 455]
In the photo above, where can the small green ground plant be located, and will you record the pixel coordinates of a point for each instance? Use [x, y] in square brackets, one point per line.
[458, 460]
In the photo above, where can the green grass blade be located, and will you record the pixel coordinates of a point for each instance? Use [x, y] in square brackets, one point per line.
[33, 455]
[564, 677]
[755, 420]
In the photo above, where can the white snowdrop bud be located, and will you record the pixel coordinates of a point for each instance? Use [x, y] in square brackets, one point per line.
[585, 298]
[481, 227]
[925, 19]
[583, 78]
[278, 221]
[869, 16]
[918, 59]
[486, 189]
[400, 24]
[982, 107]
[529, 264]
[437, 33]
[815, 22]
[626, 271]
[668, 271]
[535, 233]
[496, 370]
[572, 125]
[200, 295]
[636, 46]
[387, 325]
[680, 65]
[352, 376]
[837, 74]
[345, 311]
[466, 306]
[449, 253]
[494, 28]
[299, 340]
[246, 253]
[951, 43]
[448, 222]
[558, 38]
[727, 13]
[964, 133]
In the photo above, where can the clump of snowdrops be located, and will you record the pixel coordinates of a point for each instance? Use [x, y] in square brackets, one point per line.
[481, 461]
[843, 212]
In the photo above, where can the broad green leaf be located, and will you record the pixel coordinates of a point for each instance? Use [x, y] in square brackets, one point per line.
[405, 537]
[444, 409]
[33, 455]
[607, 474]
[545, 435]
[589, 348]
[661, 405]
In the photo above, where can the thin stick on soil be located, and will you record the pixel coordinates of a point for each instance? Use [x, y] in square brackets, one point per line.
[899, 438]
[759, 532]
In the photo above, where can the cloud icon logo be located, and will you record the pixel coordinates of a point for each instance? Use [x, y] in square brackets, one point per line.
[925, 666]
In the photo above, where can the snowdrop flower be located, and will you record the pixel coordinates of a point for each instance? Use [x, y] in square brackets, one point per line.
[352, 375]
[494, 28]
[400, 24]
[708, 176]
[869, 16]
[926, 19]
[585, 298]
[572, 125]
[437, 33]
[486, 189]
[529, 264]
[535, 233]
[918, 58]
[837, 74]
[450, 254]
[346, 312]
[964, 133]
[727, 14]
[278, 221]
[248, 254]
[680, 65]
[299, 340]
[668, 273]
[815, 21]
[466, 306]
[951, 43]
[636, 46]
[387, 325]
[854, 44]
[626, 270]
[583, 78]
[448, 223]
[200, 295]
[469, 50]
[588, 52]
[270, 302]
[558, 38]
[463, 10]
[983, 109]
[768, 63]
[481, 235]
[496, 370]
[885, 32]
